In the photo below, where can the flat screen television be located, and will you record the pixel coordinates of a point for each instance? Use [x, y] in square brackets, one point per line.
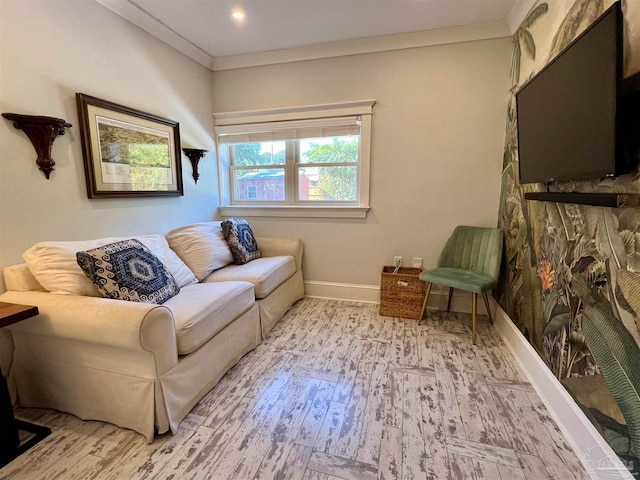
[568, 114]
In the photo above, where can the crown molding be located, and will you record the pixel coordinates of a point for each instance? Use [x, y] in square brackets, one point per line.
[359, 46]
[383, 43]
[140, 18]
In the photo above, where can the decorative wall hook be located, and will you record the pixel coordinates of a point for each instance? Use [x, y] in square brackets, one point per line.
[42, 131]
[195, 155]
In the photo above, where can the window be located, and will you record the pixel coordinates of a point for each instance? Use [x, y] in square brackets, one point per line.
[252, 192]
[308, 161]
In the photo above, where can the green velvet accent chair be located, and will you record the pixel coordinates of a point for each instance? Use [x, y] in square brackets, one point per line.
[469, 261]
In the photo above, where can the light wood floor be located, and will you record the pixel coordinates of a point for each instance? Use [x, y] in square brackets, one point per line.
[336, 392]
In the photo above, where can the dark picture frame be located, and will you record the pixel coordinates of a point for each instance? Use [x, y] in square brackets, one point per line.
[127, 152]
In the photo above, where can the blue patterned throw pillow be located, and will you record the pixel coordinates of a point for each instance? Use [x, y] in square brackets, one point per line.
[127, 270]
[241, 240]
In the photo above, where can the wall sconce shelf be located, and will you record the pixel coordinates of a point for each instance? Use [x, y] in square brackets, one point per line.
[42, 131]
[195, 155]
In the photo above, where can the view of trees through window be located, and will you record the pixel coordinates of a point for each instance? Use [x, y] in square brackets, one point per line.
[259, 153]
[326, 169]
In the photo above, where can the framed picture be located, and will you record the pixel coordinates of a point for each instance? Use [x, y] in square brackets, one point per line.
[128, 153]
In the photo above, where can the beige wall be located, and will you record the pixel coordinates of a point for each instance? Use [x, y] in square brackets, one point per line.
[438, 134]
[438, 131]
[51, 50]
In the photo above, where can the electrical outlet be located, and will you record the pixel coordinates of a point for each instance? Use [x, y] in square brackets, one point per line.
[416, 262]
[397, 261]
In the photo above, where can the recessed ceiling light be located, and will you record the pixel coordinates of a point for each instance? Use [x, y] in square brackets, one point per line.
[238, 14]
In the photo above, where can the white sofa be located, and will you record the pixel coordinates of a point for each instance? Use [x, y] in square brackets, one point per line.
[136, 365]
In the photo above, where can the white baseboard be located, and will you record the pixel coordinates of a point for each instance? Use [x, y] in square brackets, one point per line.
[342, 291]
[593, 451]
[461, 301]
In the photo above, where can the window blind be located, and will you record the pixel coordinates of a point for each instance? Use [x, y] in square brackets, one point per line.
[288, 130]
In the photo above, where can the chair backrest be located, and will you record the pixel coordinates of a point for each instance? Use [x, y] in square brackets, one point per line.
[473, 248]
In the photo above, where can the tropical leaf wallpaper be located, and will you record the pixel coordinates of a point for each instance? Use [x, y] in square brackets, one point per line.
[561, 259]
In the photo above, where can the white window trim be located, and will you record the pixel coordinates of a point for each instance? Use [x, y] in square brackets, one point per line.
[225, 122]
[294, 211]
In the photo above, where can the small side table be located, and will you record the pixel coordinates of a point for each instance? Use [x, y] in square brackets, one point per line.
[10, 446]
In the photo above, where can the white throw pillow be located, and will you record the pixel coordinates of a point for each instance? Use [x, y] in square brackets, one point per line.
[160, 248]
[201, 246]
[55, 267]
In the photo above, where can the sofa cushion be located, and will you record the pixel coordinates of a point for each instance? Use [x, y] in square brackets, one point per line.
[54, 264]
[18, 278]
[266, 274]
[201, 246]
[241, 240]
[127, 270]
[204, 309]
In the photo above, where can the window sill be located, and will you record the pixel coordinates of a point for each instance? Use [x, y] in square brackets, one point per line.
[297, 211]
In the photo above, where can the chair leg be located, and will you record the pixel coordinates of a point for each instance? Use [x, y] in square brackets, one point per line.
[486, 304]
[426, 299]
[474, 311]
[450, 297]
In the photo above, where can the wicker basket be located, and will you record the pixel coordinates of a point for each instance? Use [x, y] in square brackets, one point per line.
[402, 293]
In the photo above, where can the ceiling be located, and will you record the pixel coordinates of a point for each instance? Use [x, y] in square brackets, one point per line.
[205, 31]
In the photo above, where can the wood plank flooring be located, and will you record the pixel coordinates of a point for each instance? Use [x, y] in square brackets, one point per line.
[336, 392]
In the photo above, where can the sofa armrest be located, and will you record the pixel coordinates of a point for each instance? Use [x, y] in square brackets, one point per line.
[19, 278]
[115, 323]
[273, 247]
